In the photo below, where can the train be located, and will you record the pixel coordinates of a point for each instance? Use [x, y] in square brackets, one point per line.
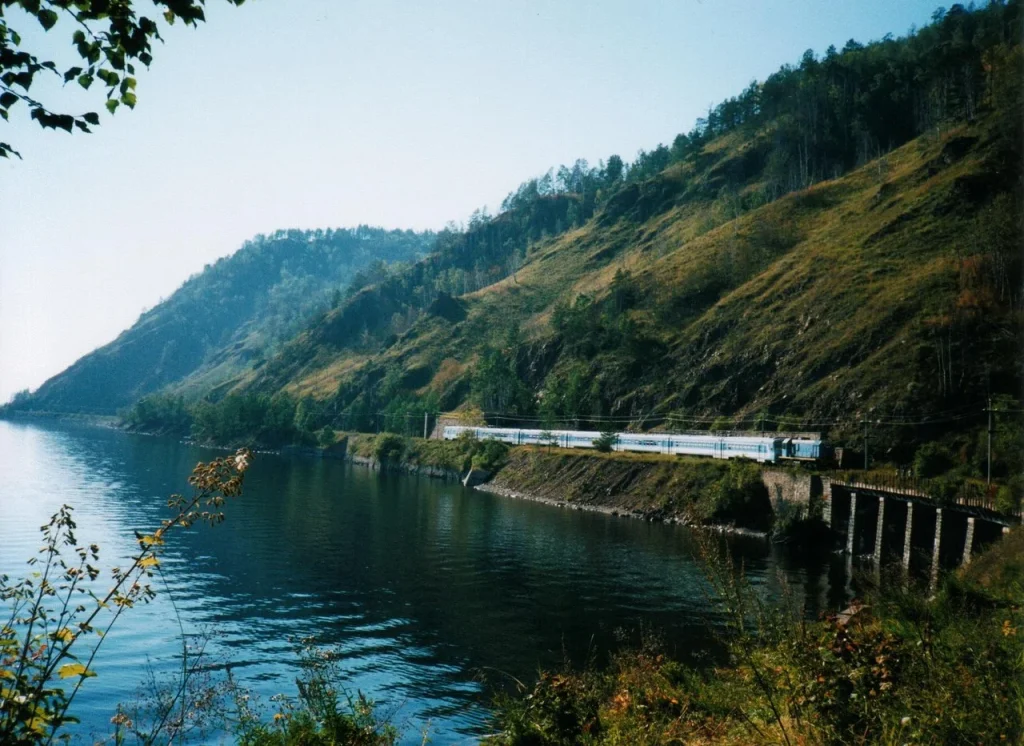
[767, 448]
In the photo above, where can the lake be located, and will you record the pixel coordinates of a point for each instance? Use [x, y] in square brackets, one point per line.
[433, 594]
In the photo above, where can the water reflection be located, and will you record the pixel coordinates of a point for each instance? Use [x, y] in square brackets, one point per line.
[422, 584]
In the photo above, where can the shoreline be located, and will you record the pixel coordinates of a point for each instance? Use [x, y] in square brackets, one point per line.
[719, 528]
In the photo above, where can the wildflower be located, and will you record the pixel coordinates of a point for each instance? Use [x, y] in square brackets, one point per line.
[905, 720]
[242, 460]
[122, 720]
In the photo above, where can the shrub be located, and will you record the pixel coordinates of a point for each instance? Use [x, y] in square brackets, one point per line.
[946, 488]
[606, 442]
[740, 497]
[325, 713]
[559, 710]
[722, 424]
[325, 437]
[932, 460]
[389, 448]
[489, 455]
[1008, 497]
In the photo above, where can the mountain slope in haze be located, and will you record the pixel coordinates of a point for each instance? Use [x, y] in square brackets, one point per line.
[226, 318]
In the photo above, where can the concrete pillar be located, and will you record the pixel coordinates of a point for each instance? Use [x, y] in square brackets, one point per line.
[968, 541]
[851, 525]
[935, 547]
[879, 530]
[908, 534]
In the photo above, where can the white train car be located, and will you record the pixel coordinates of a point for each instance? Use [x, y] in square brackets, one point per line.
[763, 449]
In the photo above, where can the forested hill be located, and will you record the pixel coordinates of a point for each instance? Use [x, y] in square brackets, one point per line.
[228, 317]
[837, 243]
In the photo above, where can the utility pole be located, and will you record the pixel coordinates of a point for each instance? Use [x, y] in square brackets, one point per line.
[988, 477]
[424, 426]
[865, 445]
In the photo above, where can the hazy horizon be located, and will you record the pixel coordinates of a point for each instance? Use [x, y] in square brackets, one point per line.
[332, 115]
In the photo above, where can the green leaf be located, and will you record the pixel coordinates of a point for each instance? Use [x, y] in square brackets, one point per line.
[129, 100]
[47, 18]
[8, 99]
[78, 37]
[72, 73]
[85, 81]
[109, 77]
[112, 105]
[91, 117]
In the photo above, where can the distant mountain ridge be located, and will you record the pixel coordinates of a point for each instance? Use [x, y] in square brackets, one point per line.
[227, 317]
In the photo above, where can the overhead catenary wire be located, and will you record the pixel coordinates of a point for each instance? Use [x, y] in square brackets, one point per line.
[961, 413]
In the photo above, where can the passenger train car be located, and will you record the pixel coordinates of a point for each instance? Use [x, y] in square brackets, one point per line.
[766, 449]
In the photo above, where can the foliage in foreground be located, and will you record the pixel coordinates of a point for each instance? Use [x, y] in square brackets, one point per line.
[324, 712]
[905, 669]
[213, 704]
[55, 622]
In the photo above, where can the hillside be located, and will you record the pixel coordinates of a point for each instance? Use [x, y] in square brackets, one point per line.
[868, 295]
[834, 246]
[837, 244]
[226, 318]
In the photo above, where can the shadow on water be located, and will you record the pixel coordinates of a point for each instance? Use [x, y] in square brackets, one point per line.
[422, 584]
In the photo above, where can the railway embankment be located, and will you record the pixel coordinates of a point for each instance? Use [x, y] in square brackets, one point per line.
[656, 487]
[653, 487]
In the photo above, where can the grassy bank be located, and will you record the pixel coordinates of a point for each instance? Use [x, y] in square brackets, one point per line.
[693, 490]
[457, 456]
[902, 669]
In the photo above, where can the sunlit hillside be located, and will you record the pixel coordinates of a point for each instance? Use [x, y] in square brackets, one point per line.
[880, 293]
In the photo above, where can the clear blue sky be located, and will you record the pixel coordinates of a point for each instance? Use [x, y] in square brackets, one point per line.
[320, 113]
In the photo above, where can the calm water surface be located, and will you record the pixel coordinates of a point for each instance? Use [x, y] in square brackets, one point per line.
[432, 593]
